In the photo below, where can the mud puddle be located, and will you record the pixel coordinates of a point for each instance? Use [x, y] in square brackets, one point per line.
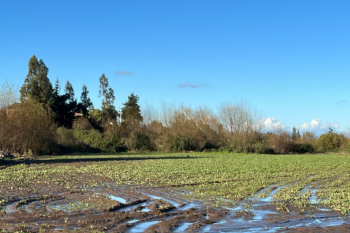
[143, 226]
[112, 208]
[259, 214]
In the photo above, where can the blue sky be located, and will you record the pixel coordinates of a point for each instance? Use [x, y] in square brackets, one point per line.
[288, 59]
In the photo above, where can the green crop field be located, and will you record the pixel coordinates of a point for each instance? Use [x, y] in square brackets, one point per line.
[218, 179]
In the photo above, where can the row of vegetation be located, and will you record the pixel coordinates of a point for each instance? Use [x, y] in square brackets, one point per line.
[42, 120]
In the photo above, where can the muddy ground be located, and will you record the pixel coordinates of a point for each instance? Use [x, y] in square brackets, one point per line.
[111, 208]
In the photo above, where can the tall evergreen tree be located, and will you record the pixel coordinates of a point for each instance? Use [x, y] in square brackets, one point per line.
[71, 103]
[294, 134]
[60, 106]
[69, 91]
[57, 88]
[85, 105]
[131, 111]
[37, 86]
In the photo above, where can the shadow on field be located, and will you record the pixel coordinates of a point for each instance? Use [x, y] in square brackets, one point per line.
[57, 159]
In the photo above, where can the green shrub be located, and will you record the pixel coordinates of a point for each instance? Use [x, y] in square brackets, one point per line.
[180, 143]
[183, 143]
[83, 124]
[208, 146]
[262, 148]
[83, 140]
[93, 140]
[140, 142]
[225, 149]
[330, 142]
[303, 148]
[65, 136]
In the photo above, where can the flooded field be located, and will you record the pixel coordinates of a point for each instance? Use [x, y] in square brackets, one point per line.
[119, 194]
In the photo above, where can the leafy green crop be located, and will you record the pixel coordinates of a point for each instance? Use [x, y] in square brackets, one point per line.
[217, 178]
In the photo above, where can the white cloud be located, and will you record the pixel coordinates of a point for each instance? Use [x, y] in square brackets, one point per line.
[316, 126]
[271, 124]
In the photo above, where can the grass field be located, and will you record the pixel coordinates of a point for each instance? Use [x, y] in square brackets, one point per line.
[218, 179]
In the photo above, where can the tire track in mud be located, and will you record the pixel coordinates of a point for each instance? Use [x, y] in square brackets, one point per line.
[87, 209]
[129, 209]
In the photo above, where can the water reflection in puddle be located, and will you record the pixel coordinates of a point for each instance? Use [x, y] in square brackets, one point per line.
[143, 226]
[258, 209]
[10, 208]
[240, 225]
[191, 205]
[119, 199]
[132, 221]
[138, 207]
[313, 198]
[162, 198]
[183, 227]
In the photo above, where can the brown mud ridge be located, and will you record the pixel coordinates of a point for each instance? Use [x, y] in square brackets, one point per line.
[111, 208]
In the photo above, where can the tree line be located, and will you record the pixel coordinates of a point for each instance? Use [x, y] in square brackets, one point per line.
[40, 120]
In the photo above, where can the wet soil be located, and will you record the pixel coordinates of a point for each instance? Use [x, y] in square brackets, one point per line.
[107, 207]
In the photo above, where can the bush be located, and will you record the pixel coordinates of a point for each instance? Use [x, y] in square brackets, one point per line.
[180, 143]
[66, 141]
[83, 124]
[303, 148]
[263, 148]
[209, 146]
[280, 143]
[330, 142]
[140, 142]
[27, 129]
[92, 140]
[83, 140]
[224, 149]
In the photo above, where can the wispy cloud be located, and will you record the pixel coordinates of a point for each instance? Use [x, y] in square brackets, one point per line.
[123, 72]
[191, 85]
[342, 102]
[316, 126]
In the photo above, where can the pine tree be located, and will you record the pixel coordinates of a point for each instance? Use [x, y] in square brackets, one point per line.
[60, 107]
[57, 89]
[131, 110]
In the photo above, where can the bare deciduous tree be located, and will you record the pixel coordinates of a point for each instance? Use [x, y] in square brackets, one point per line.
[9, 95]
[240, 120]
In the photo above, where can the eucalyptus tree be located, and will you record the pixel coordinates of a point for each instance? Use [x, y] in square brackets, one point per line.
[108, 110]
